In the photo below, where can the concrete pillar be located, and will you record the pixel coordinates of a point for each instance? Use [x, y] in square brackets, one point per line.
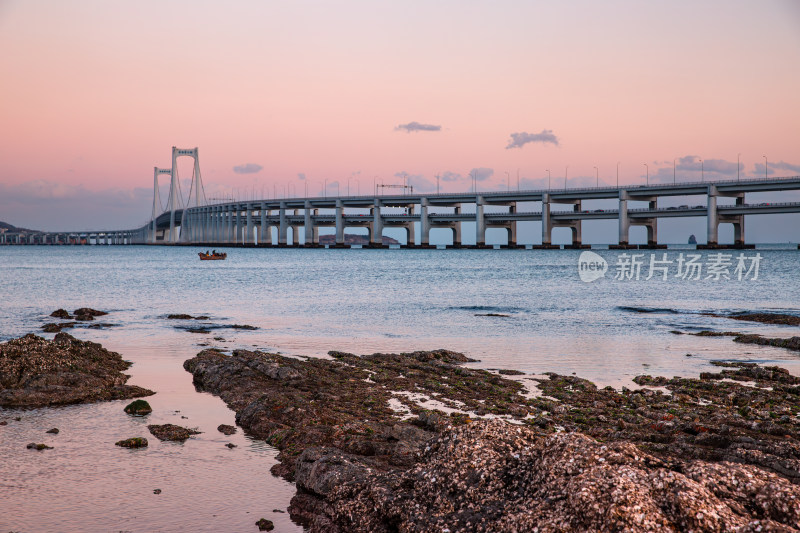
[249, 239]
[576, 225]
[282, 229]
[376, 235]
[624, 221]
[711, 214]
[457, 226]
[424, 222]
[262, 209]
[512, 228]
[307, 224]
[480, 222]
[652, 226]
[546, 222]
[339, 223]
[315, 230]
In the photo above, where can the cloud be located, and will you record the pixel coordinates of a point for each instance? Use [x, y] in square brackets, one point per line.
[416, 126]
[518, 140]
[301, 176]
[451, 176]
[785, 166]
[482, 173]
[249, 168]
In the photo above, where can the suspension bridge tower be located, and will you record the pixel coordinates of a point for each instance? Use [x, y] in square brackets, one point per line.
[197, 195]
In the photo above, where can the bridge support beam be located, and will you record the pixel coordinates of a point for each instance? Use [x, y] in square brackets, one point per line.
[424, 223]
[376, 232]
[249, 239]
[308, 230]
[282, 229]
[712, 216]
[547, 223]
[480, 223]
[624, 221]
[339, 223]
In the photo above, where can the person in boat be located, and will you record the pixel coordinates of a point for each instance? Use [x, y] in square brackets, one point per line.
[206, 252]
[213, 252]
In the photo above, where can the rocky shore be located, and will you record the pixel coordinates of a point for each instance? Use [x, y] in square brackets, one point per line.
[418, 442]
[35, 372]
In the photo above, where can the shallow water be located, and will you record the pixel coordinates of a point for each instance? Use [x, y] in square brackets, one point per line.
[307, 302]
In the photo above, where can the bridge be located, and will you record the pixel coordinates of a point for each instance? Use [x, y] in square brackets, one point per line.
[251, 222]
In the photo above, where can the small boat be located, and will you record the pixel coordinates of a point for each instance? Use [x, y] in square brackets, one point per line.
[211, 257]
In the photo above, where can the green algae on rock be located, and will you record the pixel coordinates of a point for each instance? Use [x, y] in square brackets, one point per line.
[138, 408]
[133, 442]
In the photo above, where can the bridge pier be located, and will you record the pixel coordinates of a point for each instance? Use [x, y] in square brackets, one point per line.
[376, 229]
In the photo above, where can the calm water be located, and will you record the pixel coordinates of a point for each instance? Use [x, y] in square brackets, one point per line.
[308, 302]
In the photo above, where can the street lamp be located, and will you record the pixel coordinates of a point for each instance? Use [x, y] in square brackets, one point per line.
[766, 165]
[325, 190]
[437, 183]
[508, 181]
[348, 185]
[617, 174]
[673, 170]
[548, 179]
[597, 175]
[702, 171]
[517, 180]
[737, 166]
[648, 173]
[565, 177]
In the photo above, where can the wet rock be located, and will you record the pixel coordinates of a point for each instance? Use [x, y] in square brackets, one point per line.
[171, 432]
[490, 476]
[498, 315]
[138, 408]
[101, 325]
[764, 318]
[3, 422]
[54, 431]
[35, 372]
[510, 372]
[157, 491]
[231, 445]
[226, 429]
[180, 316]
[133, 442]
[265, 525]
[52, 327]
[41, 446]
[88, 311]
[278, 511]
[243, 326]
[84, 318]
[198, 330]
[60, 313]
[792, 343]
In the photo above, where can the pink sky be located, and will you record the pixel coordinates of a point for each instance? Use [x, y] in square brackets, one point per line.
[94, 94]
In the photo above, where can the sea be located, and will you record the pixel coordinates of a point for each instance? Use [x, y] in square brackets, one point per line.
[529, 310]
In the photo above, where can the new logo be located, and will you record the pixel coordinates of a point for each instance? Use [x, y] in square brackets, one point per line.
[591, 266]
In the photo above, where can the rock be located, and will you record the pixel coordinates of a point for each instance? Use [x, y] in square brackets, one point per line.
[52, 327]
[54, 431]
[157, 491]
[265, 525]
[510, 372]
[231, 445]
[60, 313]
[35, 372]
[84, 318]
[88, 311]
[34, 446]
[171, 432]
[278, 511]
[138, 408]
[226, 429]
[491, 476]
[242, 326]
[180, 316]
[133, 442]
[498, 315]
[3, 423]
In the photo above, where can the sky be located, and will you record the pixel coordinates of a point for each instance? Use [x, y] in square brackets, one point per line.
[281, 97]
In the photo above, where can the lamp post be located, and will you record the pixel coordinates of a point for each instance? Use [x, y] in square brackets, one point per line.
[597, 175]
[673, 170]
[702, 172]
[766, 166]
[508, 181]
[566, 171]
[647, 176]
[437, 183]
[517, 180]
[737, 165]
[548, 179]
[617, 174]
[348, 185]
[325, 189]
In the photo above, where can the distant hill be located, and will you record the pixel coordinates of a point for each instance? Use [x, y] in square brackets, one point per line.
[6, 225]
[351, 239]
